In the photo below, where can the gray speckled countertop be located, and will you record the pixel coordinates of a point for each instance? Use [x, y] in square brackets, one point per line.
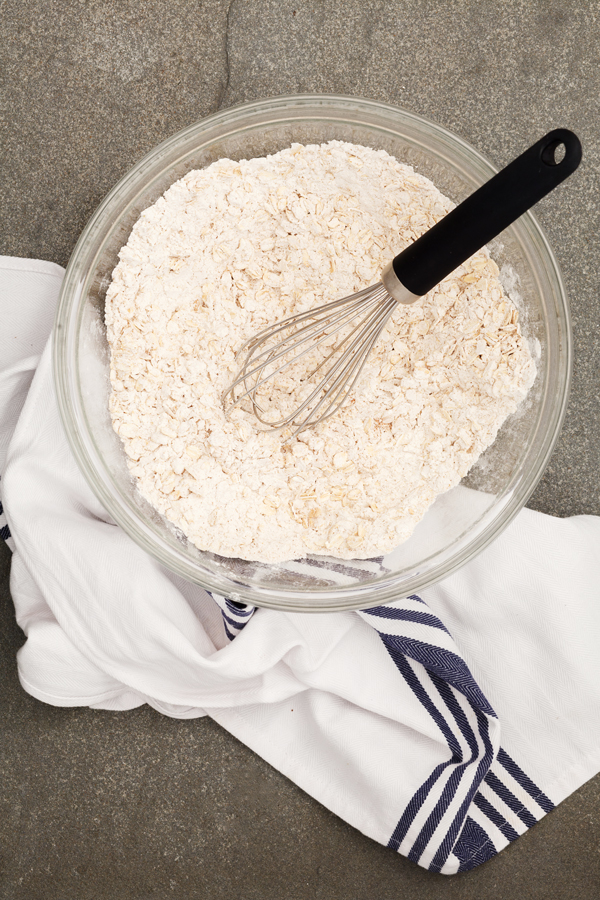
[98, 805]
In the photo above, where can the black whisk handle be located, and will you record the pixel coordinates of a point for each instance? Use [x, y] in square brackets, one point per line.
[488, 211]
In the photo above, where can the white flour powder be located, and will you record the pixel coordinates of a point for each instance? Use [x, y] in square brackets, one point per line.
[238, 245]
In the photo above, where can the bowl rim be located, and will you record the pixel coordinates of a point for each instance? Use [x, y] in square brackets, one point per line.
[334, 598]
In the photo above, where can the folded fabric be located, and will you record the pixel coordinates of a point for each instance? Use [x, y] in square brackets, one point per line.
[442, 725]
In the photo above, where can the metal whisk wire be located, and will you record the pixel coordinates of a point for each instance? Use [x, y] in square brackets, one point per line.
[308, 331]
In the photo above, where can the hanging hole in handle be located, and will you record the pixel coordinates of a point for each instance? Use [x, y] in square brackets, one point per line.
[554, 153]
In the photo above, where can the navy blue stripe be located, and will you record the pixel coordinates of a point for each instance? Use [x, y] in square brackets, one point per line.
[454, 780]
[449, 666]
[483, 765]
[227, 631]
[473, 847]
[238, 625]
[423, 696]
[407, 615]
[494, 816]
[509, 798]
[1, 508]
[416, 597]
[526, 783]
[415, 805]
[449, 791]
[445, 692]
[420, 795]
[435, 816]
[447, 671]
[453, 832]
[239, 609]
[4, 533]
[348, 570]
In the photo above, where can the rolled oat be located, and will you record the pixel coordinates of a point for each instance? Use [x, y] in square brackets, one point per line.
[238, 245]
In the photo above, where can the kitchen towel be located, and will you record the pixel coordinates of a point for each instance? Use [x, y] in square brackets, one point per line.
[443, 725]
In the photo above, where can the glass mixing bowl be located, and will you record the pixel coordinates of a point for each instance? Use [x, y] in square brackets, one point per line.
[462, 521]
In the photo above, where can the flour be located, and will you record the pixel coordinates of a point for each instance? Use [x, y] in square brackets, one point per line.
[230, 249]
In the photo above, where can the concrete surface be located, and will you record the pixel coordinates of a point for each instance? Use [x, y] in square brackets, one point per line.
[133, 805]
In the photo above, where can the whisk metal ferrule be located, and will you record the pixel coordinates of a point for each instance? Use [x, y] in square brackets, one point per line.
[394, 286]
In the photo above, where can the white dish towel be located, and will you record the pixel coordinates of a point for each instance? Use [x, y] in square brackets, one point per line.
[443, 725]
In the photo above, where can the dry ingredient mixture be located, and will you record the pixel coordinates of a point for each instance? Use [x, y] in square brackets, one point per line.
[233, 247]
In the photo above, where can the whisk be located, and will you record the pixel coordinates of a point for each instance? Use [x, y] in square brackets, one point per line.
[342, 334]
